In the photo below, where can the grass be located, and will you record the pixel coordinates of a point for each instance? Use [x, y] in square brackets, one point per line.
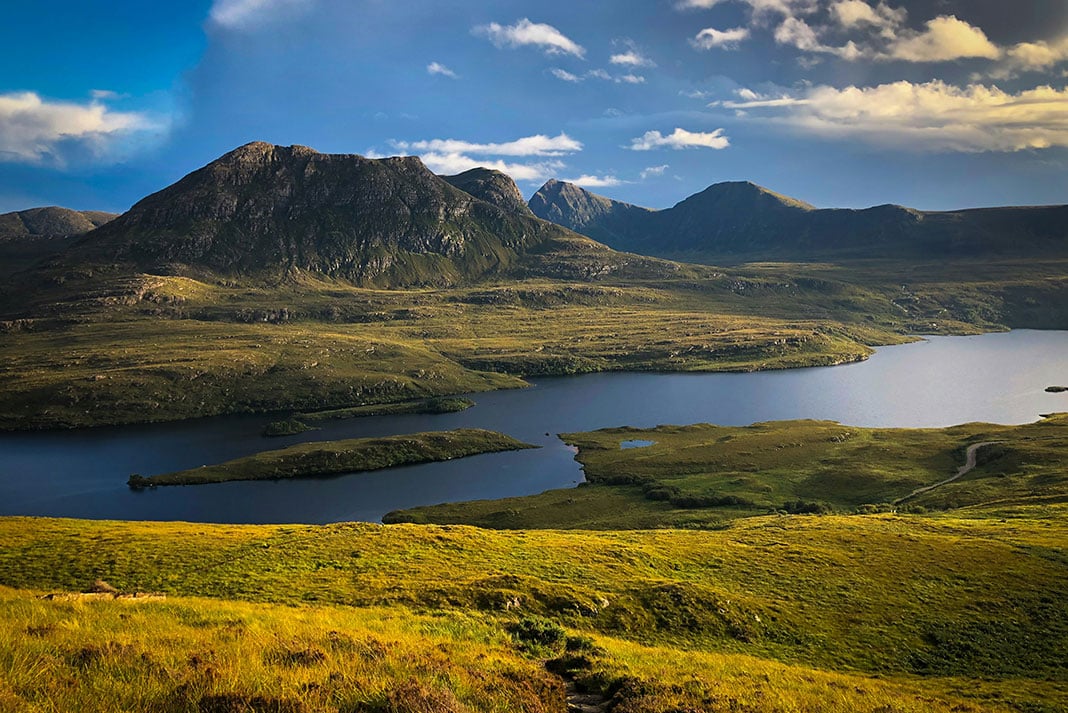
[704, 476]
[105, 349]
[779, 613]
[325, 458]
[421, 406]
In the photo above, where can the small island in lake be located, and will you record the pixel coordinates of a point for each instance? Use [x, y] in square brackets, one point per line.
[325, 458]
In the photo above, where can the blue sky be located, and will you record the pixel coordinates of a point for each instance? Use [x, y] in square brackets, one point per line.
[935, 104]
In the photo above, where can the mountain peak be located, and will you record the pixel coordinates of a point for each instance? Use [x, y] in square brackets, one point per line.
[748, 195]
[492, 186]
[275, 211]
[576, 208]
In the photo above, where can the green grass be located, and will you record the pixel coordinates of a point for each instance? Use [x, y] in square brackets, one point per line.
[704, 476]
[105, 349]
[785, 612]
[326, 458]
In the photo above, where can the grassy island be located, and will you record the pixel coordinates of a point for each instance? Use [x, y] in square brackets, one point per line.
[705, 476]
[325, 458]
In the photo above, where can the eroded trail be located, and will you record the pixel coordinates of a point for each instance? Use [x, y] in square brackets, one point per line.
[969, 465]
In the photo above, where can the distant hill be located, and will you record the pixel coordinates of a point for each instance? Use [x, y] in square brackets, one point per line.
[265, 210]
[493, 187]
[30, 236]
[50, 222]
[741, 220]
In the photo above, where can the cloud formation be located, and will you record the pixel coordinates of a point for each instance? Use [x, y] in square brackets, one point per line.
[34, 130]
[946, 38]
[537, 145]
[631, 58]
[440, 69]
[526, 33]
[447, 164]
[680, 139]
[711, 38]
[932, 116]
[652, 171]
[247, 14]
[566, 76]
[588, 181]
[450, 156]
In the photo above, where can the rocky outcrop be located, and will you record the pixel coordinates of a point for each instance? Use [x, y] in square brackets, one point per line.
[493, 187]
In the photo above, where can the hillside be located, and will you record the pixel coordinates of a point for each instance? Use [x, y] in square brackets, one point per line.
[742, 221]
[768, 615]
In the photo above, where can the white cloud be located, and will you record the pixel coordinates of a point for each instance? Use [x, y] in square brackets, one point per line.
[538, 145]
[527, 33]
[654, 171]
[565, 75]
[680, 139]
[588, 181]
[34, 130]
[711, 38]
[247, 14]
[933, 116]
[631, 58]
[449, 156]
[859, 14]
[1031, 56]
[438, 68]
[452, 163]
[946, 38]
[697, 4]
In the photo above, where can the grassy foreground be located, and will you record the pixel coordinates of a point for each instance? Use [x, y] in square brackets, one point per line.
[704, 476]
[788, 613]
[355, 455]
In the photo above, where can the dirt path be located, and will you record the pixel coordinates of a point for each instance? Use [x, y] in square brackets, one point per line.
[584, 702]
[969, 465]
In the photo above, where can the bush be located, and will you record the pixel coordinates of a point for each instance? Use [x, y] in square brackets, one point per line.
[534, 632]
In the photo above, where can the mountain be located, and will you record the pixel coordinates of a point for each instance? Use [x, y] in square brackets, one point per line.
[598, 217]
[493, 187]
[50, 222]
[274, 211]
[741, 220]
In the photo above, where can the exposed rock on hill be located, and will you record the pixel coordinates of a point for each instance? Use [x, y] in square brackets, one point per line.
[493, 187]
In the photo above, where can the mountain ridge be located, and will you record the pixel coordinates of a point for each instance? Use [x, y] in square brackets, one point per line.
[741, 220]
[262, 209]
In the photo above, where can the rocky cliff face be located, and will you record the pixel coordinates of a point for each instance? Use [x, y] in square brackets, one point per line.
[493, 187]
[274, 210]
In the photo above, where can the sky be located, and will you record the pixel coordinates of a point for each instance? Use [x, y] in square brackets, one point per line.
[934, 104]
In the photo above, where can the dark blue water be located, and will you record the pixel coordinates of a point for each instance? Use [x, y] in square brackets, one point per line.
[944, 381]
